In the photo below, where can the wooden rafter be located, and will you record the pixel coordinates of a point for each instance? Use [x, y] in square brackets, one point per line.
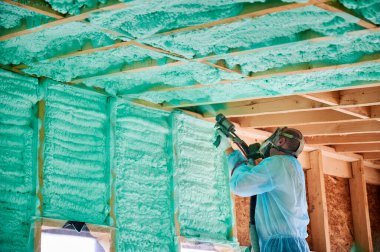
[346, 139]
[52, 14]
[371, 156]
[367, 147]
[361, 127]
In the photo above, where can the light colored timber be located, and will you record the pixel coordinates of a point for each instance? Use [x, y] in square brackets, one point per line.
[61, 21]
[372, 175]
[364, 126]
[27, 7]
[295, 118]
[367, 147]
[336, 167]
[318, 203]
[361, 22]
[359, 204]
[371, 156]
[344, 139]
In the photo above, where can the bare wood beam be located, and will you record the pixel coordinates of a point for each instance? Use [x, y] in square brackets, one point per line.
[294, 118]
[361, 22]
[330, 98]
[318, 203]
[344, 139]
[27, 7]
[372, 175]
[358, 96]
[369, 126]
[359, 204]
[336, 167]
[368, 147]
[62, 21]
[371, 156]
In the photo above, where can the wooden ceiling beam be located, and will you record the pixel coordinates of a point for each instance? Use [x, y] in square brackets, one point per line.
[361, 127]
[371, 156]
[372, 175]
[344, 139]
[367, 147]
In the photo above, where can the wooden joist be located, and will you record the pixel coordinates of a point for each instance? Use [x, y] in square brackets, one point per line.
[345, 139]
[366, 147]
[51, 13]
[371, 156]
[372, 175]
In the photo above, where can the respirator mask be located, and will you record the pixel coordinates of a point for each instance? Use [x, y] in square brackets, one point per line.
[271, 141]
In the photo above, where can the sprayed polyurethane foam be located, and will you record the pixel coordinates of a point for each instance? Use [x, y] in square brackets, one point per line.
[18, 95]
[143, 187]
[76, 179]
[369, 9]
[202, 200]
[270, 29]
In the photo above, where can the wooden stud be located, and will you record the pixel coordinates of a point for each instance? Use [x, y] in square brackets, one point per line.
[368, 147]
[345, 139]
[336, 167]
[372, 176]
[318, 203]
[359, 203]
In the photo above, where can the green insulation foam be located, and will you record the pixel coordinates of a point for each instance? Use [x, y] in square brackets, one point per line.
[12, 16]
[73, 7]
[275, 28]
[369, 9]
[143, 187]
[266, 87]
[51, 42]
[17, 169]
[165, 76]
[76, 179]
[201, 186]
[341, 50]
[98, 63]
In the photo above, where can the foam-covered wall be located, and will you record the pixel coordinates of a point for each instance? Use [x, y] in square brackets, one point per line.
[143, 185]
[271, 86]
[18, 95]
[12, 16]
[76, 174]
[275, 28]
[369, 9]
[202, 195]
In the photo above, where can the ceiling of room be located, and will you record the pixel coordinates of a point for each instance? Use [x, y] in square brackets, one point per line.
[313, 65]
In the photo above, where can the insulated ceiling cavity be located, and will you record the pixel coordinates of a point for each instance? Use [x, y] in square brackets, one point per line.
[369, 9]
[76, 174]
[271, 29]
[284, 84]
[12, 16]
[51, 42]
[202, 196]
[98, 63]
[348, 48]
[178, 75]
[143, 183]
[18, 168]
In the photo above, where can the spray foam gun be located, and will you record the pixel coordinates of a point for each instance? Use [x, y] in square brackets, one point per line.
[251, 152]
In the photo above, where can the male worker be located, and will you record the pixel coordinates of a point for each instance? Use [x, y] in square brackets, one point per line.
[281, 209]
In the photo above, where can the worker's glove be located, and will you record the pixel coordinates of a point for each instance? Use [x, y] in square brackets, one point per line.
[221, 140]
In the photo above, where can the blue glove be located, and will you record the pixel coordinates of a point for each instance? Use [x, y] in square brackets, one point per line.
[224, 141]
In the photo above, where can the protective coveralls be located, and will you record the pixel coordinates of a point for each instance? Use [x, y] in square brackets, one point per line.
[281, 211]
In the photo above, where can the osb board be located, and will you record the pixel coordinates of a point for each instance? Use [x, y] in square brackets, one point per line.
[308, 239]
[373, 194]
[339, 213]
[242, 220]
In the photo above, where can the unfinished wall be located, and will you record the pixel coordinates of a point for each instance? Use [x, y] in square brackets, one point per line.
[202, 195]
[76, 176]
[339, 213]
[373, 194]
[18, 96]
[143, 186]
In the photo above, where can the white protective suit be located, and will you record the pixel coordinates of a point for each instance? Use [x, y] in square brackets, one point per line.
[281, 211]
